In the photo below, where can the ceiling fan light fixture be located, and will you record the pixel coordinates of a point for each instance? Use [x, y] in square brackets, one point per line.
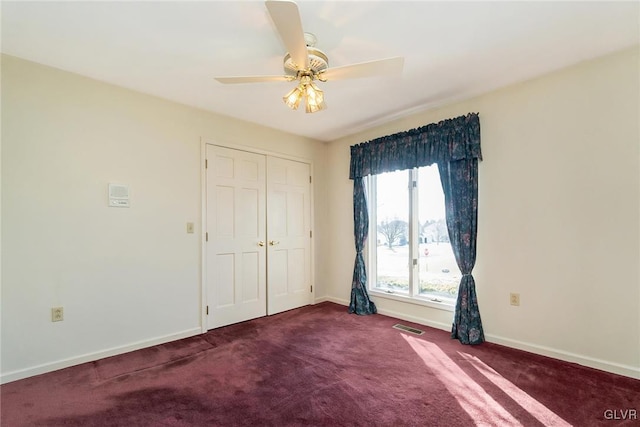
[314, 98]
[292, 99]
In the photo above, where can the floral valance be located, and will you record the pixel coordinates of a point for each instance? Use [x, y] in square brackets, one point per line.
[451, 139]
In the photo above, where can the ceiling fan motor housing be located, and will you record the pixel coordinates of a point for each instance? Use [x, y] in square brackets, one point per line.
[318, 62]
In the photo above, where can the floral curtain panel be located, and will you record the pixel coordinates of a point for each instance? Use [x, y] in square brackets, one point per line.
[460, 185]
[453, 144]
[360, 301]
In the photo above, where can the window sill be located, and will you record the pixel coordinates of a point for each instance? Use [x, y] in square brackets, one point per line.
[444, 304]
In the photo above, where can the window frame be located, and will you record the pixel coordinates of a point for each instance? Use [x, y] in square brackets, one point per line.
[371, 247]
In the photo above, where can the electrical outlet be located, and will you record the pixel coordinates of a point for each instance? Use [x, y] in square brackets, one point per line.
[190, 227]
[57, 314]
[514, 299]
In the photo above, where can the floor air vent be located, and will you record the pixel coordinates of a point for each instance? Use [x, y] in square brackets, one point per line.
[408, 329]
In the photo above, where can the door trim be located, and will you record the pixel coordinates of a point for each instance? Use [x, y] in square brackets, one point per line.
[203, 243]
[203, 216]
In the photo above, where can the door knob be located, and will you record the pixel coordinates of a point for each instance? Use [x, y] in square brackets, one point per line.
[260, 243]
[273, 242]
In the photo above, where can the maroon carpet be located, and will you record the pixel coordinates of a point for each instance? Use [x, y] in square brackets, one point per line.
[320, 366]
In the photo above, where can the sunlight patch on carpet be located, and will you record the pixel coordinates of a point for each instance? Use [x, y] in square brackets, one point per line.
[535, 408]
[475, 401]
[473, 398]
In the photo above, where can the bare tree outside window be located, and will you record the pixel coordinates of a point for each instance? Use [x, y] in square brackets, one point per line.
[393, 231]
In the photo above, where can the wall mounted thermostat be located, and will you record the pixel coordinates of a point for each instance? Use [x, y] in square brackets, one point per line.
[118, 196]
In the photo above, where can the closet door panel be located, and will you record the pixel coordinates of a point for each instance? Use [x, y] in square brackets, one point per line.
[288, 233]
[236, 248]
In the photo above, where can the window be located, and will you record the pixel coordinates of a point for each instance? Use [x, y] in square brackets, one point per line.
[410, 253]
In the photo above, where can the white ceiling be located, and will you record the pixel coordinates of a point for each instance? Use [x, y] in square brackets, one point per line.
[452, 50]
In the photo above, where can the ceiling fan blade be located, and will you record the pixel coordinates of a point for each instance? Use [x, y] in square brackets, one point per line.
[286, 17]
[381, 67]
[252, 79]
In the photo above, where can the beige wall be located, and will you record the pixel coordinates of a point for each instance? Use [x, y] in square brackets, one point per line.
[126, 278]
[558, 214]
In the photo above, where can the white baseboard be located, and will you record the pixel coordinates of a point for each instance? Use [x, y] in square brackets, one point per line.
[414, 319]
[90, 357]
[332, 299]
[392, 313]
[603, 365]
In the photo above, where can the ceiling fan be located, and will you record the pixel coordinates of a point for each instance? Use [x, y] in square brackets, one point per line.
[306, 63]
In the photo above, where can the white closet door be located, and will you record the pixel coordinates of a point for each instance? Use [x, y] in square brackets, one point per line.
[236, 227]
[288, 233]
